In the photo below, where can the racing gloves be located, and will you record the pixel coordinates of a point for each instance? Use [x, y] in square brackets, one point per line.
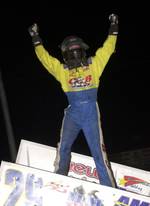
[113, 30]
[34, 33]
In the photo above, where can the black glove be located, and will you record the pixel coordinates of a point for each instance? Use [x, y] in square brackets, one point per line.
[34, 33]
[113, 30]
[113, 18]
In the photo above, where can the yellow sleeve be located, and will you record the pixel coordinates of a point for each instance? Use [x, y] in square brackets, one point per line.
[52, 64]
[103, 54]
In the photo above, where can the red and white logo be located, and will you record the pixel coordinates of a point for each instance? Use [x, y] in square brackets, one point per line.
[79, 82]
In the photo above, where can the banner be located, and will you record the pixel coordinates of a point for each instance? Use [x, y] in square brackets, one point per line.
[83, 167]
[26, 186]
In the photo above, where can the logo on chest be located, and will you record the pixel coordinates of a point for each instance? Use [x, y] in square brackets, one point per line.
[79, 82]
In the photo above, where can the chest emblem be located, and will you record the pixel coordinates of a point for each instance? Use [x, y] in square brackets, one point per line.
[79, 82]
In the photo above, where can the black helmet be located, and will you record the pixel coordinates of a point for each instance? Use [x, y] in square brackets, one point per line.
[73, 51]
[73, 42]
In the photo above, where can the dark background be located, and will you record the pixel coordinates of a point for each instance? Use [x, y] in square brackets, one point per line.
[35, 99]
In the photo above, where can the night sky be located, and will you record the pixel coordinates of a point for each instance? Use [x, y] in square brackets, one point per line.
[35, 100]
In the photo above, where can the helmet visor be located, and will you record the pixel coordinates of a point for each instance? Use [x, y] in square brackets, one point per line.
[73, 43]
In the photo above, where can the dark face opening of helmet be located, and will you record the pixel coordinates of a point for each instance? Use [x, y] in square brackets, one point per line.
[74, 58]
[74, 54]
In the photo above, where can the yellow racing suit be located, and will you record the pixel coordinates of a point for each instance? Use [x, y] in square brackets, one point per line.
[81, 86]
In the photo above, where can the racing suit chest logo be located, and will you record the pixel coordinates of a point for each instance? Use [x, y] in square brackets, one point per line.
[81, 81]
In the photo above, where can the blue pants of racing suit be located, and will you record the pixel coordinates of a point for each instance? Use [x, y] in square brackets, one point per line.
[83, 114]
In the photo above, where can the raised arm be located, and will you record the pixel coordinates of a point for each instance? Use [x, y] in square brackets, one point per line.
[104, 53]
[51, 63]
